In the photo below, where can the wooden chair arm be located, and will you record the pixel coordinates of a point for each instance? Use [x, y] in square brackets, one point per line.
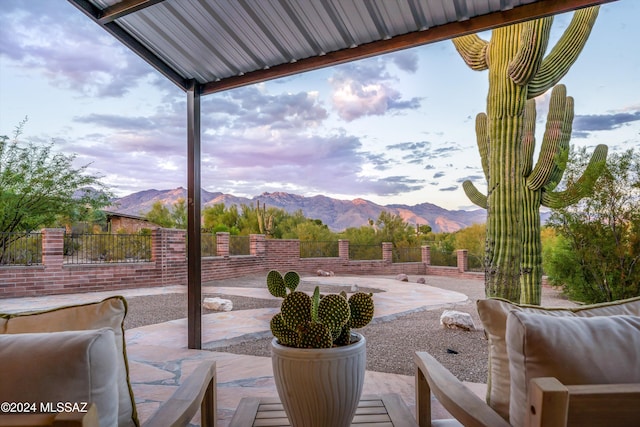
[455, 397]
[198, 391]
[552, 404]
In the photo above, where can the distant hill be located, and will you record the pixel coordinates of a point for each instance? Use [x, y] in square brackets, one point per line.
[337, 214]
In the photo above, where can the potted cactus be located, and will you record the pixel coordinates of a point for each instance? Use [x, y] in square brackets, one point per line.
[318, 361]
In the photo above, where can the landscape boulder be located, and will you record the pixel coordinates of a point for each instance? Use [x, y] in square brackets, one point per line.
[217, 304]
[457, 320]
[325, 273]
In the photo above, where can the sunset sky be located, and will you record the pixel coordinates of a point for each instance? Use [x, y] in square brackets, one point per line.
[397, 128]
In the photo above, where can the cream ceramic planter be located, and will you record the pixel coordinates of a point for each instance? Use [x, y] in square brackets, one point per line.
[320, 387]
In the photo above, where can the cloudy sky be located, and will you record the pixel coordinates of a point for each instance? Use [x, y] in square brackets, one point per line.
[397, 128]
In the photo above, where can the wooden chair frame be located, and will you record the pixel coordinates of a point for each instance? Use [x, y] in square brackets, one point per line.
[551, 404]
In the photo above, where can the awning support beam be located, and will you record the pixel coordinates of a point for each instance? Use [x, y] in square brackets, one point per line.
[194, 263]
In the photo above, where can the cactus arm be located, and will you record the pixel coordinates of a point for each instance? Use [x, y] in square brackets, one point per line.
[533, 44]
[476, 197]
[551, 141]
[583, 186]
[291, 280]
[275, 284]
[528, 136]
[473, 51]
[482, 139]
[565, 52]
[563, 153]
[315, 302]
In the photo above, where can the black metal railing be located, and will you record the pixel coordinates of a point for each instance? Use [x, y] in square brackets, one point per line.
[407, 254]
[209, 244]
[475, 263]
[20, 248]
[365, 252]
[319, 249]
[443, 258]
[239, 245]
[106, 248]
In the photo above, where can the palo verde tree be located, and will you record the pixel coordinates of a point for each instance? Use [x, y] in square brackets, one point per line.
[159, 214]
[518, 72]
[595, 252]
[39, 187]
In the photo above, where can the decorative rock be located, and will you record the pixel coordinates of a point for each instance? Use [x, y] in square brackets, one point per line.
[457, 320]
[217, 304]
[422, 281]
[325, 273]
[402, 277]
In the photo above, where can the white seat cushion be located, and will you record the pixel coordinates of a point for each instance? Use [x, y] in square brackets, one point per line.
[109, 313]
[574, 350]
[48, 369]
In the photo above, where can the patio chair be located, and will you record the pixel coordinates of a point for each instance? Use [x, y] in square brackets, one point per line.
[547, 367]
[74, 355]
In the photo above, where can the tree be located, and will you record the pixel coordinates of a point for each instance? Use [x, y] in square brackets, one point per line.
[597, 254]
[519, 71]
[472, 239]
[219, 218]
[39, 187]
[159, 214]
[392, 228]
[179, 213]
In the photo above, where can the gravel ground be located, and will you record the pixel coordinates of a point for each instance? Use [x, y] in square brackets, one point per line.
[390, 344]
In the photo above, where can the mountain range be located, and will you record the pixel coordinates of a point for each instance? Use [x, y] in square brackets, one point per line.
[337, 214]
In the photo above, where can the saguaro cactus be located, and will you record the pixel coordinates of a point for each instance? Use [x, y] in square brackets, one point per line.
[265, 222]
[518, 72]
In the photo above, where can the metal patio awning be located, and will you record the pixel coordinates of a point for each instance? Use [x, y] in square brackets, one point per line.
[207, 46]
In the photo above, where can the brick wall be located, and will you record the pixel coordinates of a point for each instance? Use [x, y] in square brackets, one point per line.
[168, 265]
[54, 277]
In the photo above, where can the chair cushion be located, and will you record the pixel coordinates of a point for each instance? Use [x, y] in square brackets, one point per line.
[493, 314]
[74, 367]
[575, 350]
[109, 313]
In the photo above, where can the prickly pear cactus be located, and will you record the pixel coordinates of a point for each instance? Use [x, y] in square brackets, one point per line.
[275, 284]
[316, 321]
[291, 280]
[315, 335]
[278, 285]
[296, 310]
[285, 335]
[333, 311]
[361, 306]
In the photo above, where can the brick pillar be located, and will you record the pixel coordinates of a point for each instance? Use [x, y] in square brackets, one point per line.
[426, 255]
[171, 255]
[222, 243]
[257, 245]
[463, 260]
[387, 251]
[156, 246]
[343, 249]
[53, 247]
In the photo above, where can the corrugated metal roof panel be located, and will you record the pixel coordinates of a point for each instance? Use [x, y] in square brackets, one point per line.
[210, 40]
